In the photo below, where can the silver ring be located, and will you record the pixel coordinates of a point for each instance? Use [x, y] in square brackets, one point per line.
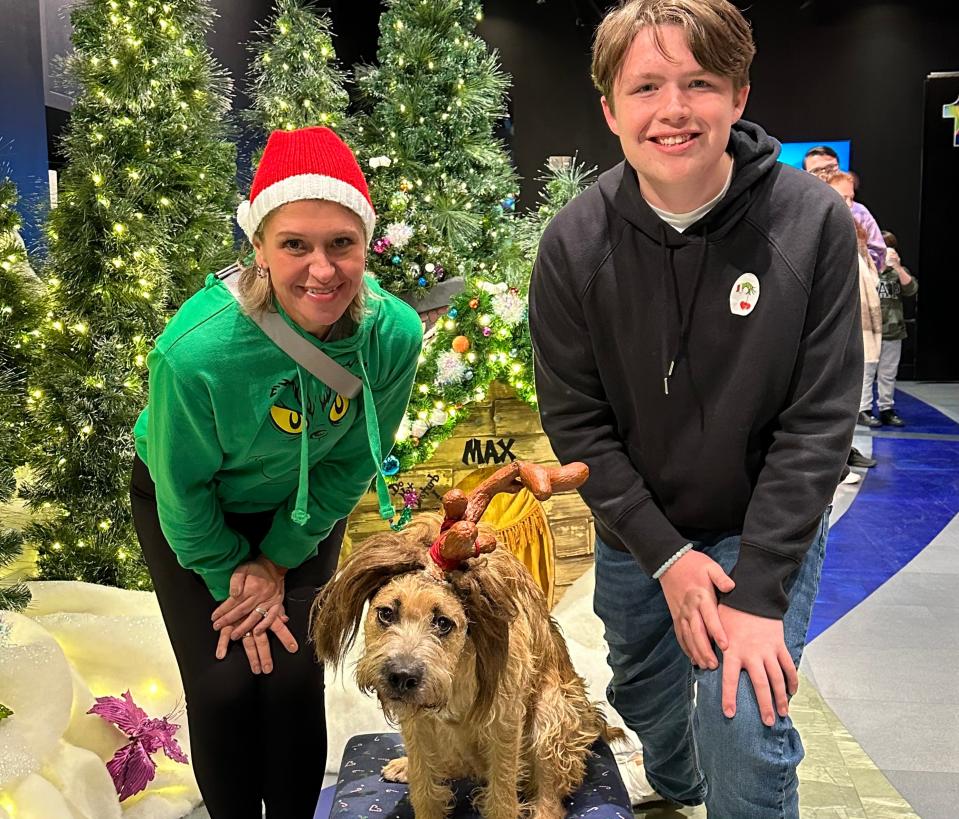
[261, 611]
[248, 634]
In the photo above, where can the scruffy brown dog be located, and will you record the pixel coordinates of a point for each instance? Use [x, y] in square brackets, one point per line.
[464, 656]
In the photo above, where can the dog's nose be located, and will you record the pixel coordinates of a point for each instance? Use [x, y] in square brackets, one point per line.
[403, 675]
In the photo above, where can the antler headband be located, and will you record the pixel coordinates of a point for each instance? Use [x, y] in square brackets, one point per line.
[460, 538]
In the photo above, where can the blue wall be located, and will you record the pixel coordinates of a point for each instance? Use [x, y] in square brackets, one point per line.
[23, 140]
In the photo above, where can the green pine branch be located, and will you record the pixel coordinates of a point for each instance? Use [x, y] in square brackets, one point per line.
[294, 79]
[145, 211]
[485, 335]
[427, 145]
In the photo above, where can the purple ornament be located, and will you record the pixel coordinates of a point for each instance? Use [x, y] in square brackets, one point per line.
[440, 273]
[381, 245]
[487, 332]
[411, 499]
[132, 767]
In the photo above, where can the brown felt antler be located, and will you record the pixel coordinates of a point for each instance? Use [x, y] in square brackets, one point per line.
[460, 539]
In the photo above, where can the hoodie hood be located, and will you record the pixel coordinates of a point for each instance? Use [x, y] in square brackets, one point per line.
[754, 155]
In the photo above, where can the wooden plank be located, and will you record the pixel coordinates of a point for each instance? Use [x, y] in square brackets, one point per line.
[512, 417]
[478, 423]
[500, 390]
[566, 505]
[571, 538]
[570, 570]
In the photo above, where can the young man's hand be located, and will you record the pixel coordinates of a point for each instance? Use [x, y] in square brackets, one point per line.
[690, 588]
[757, 645]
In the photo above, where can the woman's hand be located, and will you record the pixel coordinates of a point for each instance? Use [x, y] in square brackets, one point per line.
[257, 645]
[256, 595]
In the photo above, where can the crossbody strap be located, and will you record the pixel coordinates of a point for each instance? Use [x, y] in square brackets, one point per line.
[311, 358]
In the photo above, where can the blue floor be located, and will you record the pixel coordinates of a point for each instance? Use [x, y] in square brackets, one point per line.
[903, 503]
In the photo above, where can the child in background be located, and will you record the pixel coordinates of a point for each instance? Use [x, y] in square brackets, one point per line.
[895, 282]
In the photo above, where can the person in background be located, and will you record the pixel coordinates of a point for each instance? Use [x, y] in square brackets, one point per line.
[247, 465]
[870, 311]
[895, 283]
[822, 161]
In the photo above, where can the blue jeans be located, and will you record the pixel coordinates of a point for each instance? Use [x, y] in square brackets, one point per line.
[691, 751]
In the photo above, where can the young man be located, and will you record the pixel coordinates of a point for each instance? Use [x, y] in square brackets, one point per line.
[695, 322]
[822, 160]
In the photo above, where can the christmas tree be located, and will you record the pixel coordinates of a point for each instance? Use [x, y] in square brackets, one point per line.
[484, 336]
[145, 208]
[294, 78]
[19, 312]
[441, 183]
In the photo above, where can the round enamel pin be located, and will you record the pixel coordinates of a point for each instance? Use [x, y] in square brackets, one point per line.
[744, 295]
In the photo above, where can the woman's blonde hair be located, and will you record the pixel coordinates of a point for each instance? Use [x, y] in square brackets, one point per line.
[717, 34]
[255, 293]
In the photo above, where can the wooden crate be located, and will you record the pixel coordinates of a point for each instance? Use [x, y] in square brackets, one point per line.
[501, 423]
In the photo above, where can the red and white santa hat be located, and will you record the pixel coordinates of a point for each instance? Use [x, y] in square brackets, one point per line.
[309, 163]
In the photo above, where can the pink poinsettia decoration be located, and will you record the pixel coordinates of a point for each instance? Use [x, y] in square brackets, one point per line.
[132, 767]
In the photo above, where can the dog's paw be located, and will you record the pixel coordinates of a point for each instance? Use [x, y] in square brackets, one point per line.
[397, 770]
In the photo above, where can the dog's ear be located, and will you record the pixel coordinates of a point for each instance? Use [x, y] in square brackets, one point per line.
[490, 605]
[338, 608]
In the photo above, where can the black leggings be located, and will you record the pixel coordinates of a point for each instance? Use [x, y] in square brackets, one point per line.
[252, 738]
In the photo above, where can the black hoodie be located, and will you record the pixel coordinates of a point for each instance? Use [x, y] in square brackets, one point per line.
[757, 422]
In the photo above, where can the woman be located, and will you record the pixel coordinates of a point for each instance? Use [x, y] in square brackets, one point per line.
[869, 305]
[247, 466]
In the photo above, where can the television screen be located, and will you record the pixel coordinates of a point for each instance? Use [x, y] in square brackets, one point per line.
[793, 152]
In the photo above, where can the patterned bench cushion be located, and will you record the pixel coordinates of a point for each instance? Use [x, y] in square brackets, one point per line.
[361, 792]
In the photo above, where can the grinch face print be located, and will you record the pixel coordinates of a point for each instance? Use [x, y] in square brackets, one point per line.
[745, 295]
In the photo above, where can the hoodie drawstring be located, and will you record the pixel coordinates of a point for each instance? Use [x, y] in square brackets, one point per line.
[299, 515]
[686, 317]
[376, 449]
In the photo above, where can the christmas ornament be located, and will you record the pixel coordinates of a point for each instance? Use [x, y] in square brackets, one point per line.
[421, 281]
[396, 260]
[449, 370]
[399, 234]
[474, 303]
[380, 162]
[381, 245]
[453, 312]
[400, 523]
[438, 417]
[461, 344]
[510, 307]
[132, 767]
[429, 267]
[487, 332]
[391, 465]
[419, 428]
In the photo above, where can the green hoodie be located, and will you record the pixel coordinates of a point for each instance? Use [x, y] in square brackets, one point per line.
[222, 429]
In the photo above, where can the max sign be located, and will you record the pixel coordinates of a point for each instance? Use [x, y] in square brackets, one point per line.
[478, 451]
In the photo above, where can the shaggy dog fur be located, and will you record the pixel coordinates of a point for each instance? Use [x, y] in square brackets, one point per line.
[471, 666]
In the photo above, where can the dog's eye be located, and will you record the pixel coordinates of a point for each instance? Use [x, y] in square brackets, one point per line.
[385, 615]
[443, 624]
